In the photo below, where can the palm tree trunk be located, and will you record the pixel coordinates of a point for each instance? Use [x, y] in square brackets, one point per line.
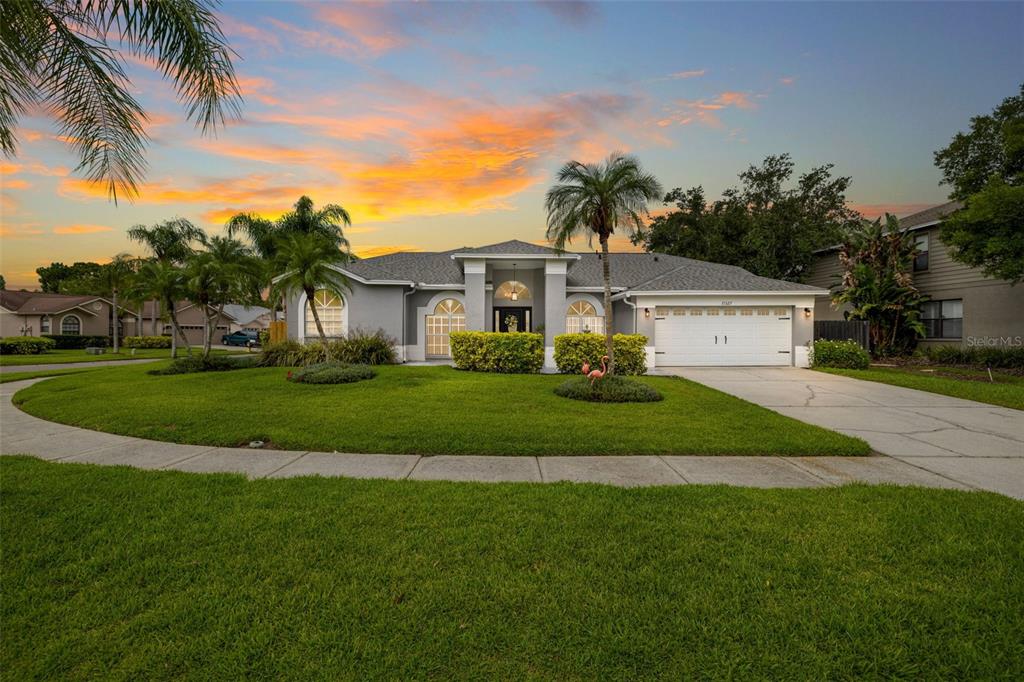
[211, 327]
[608, 321]
[117, 319]
[156, 317]
[139, 331]
[316, 316]
[179, 332]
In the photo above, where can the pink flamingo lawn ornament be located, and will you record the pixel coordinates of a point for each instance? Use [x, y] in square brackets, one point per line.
[586, 367]
[596, 374]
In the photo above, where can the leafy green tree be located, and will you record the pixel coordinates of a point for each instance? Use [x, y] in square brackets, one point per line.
[3, 282]
[877, 282]
[985, 168]
[66, 55]
[77, 278]
[264, 235]
[216, 276]
[763, 225]
[165, 282]
[308, 262]
[597, 199]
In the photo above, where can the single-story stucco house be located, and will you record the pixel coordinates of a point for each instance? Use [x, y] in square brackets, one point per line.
[692, 312]
[32, 313]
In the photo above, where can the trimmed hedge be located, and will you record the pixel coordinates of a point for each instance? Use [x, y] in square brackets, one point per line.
[147, 342]
[25, 345]
[611, 389]
[976, 356]
[78, 341]
[839, 354]
[571, 350]
[332, 373]
[504, 353]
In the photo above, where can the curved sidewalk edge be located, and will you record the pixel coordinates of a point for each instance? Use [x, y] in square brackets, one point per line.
[23, 434]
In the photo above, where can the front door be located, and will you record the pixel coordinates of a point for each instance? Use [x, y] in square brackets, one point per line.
[512, 319]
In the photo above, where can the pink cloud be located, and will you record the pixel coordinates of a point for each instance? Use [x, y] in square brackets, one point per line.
[788, 80]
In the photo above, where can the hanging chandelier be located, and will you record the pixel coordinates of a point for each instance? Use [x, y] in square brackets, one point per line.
[515, 283]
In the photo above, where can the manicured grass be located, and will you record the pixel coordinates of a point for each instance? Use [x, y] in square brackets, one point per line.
[1007, 390]
[21, 376]
[427, 410]
[115, 573]
[63, 356]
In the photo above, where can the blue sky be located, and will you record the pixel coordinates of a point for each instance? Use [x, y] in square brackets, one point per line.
[440, 125]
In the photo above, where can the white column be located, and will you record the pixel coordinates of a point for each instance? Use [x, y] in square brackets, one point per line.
[475, 274]
[554, 308]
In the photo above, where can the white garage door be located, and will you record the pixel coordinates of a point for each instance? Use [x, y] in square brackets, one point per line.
[723, 336]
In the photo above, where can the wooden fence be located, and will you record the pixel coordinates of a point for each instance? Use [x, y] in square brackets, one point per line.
[843, 330]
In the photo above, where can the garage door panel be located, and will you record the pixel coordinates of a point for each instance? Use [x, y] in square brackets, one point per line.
[723, 336]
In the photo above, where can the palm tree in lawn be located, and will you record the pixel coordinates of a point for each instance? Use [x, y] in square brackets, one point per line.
[117, 276]
[307, 263]
[171, 241]
[68, 57]
[216, 276]
[597, 199]
[264, 235]
[165, 282]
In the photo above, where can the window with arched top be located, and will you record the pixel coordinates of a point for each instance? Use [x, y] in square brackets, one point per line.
[449, 316]
[582, 317]
[512, 290]
[71, 325]
[331, 309]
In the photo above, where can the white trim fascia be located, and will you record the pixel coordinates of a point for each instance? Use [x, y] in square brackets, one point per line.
[432, 287]
[703, 292]
[517, 256]
[591, 290]
[361, 280]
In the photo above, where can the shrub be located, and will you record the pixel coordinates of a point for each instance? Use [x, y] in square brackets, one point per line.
[515, 353]
[332, 373]
[611, 389]
[840, 354]
[571, 350]
[977, 356]
[72, 342]
[214, 363]
[364, 348]
[147, 342]
[292, 354]
[25, 345]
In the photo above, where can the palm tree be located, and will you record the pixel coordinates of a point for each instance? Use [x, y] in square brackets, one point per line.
[66, 55]
[309, 262]
[219, 275]
[169, 242]
[164, 282]
[116, 276]
[595, 199]
[264, 235]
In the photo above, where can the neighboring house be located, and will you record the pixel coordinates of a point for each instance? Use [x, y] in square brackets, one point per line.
[965, 306]
[692, 312]
[247, 318]
[190, 317]
[30, 313]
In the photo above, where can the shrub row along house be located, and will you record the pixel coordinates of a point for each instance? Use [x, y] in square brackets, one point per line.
[964, 307]
[692, 312]
[26, 313]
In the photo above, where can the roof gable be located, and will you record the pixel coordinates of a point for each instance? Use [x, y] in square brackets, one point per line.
[512, 247]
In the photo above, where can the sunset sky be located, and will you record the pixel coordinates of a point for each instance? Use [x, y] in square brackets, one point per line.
[440, 125]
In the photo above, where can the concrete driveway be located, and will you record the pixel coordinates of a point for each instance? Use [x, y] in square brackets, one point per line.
[978, 444]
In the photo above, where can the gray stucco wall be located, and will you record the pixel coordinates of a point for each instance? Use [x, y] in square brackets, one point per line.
[369, 308]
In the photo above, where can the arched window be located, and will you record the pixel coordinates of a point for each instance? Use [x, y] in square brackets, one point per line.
[331, 309]
[512, 291]
[44, 324]
[71, 325]
[449, 316]
[582, 317]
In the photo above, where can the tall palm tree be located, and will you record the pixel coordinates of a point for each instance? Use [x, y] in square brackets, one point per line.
[171, 242]
[220, 274]
[116, 277]
[165, 282]
[308, 262]
[596, 199]
[69, 57]
[264, 235]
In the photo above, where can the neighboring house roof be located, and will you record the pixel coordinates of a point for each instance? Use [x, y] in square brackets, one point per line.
[629, 271]
[148, 306]
[37, 303]
[244, 314]
[915, 221]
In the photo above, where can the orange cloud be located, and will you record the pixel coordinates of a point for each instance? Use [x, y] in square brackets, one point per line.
[81, 229]
[258, 88]
[705, 112]
[374, 251]
[873, 211]
[370, 24]
[259, 36]
[19, 230]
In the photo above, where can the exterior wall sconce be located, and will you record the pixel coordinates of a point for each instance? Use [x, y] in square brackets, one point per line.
[647, 312]
[807, 313]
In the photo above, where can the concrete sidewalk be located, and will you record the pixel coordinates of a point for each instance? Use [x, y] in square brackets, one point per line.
[21, 433]
[11, 369]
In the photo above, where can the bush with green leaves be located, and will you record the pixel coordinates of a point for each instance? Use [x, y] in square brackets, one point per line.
[504, 353]
[332, 373]
[610, 389]
[976, 356]
[78, 341]
[839, 354]
[146, 342]
[292, 354]
[364, 348]
[25, 345]
[572, 350]
[214, 363]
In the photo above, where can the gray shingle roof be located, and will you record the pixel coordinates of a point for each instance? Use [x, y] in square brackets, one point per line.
[929, 215]
[639, 271]
[511, 247]
[33, 302]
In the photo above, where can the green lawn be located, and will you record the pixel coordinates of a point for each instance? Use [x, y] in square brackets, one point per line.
[62, 356]
[116, 573]
[1007, 390]
[427, 410]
